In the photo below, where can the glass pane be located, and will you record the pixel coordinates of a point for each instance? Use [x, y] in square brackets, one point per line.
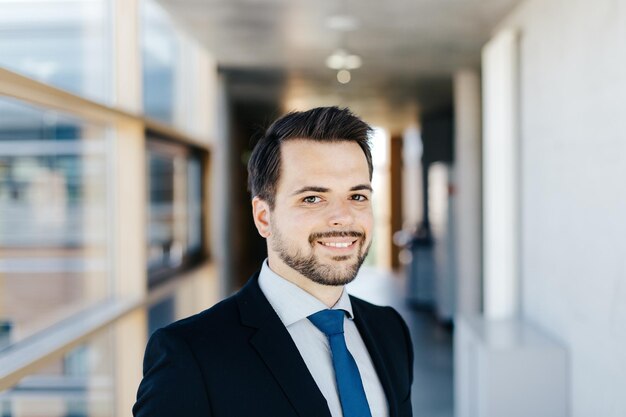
[175, 207]
[53, 218]
[66, 44]
[194, 203]
[79, 385]
[160, 51]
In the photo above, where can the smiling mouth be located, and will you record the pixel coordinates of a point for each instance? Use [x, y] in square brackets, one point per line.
[338, 245]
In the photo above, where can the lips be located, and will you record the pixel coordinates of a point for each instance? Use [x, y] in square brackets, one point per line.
[338, 244]
[338, 247]
[331, 237]
[336, 241]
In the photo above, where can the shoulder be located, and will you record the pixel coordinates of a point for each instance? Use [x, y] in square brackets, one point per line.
[224, 324]
[205, 324]
[173, 377]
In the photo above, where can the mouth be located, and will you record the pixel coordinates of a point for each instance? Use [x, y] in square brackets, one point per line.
[338, 246]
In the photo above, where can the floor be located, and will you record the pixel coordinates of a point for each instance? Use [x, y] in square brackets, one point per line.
[433, 374]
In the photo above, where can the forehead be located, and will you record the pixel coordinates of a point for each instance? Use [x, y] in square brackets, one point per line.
[320, 163]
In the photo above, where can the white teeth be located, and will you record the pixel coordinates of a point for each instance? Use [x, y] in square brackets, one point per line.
[337, 245]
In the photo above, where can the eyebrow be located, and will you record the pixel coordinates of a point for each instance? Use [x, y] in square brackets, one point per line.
[315, 189]
[362, 187]
[311, 188]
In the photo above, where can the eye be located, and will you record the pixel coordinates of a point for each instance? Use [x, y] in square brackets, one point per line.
[312, 199]
[359, 197]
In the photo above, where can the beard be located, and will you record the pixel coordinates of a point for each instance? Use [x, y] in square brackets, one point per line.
[311, 267]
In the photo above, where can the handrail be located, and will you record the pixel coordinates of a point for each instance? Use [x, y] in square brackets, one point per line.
[35, 92]
[27, 356]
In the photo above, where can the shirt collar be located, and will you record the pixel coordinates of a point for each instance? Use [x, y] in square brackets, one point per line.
[291, 302]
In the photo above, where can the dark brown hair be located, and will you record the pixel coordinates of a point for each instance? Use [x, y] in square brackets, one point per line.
[324, 124]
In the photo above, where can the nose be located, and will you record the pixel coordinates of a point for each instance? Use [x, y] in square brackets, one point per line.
[341, 214]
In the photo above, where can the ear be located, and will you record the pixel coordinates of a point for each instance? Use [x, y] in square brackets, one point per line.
[261, 216]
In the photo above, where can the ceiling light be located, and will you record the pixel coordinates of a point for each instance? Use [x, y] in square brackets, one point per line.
[343, 76]
[340, 59]
[353, 62]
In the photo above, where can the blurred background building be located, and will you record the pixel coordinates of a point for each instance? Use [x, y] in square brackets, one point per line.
[500, 154]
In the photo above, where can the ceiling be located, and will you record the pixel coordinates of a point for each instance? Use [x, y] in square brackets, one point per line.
[409, 49]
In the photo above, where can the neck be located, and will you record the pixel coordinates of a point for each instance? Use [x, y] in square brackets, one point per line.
[327, 294]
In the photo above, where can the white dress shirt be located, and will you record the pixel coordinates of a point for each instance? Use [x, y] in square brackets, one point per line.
[293, 305]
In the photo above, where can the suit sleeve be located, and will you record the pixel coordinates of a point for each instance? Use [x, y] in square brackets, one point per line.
[172, 383]
[409, 345]
[405, 406]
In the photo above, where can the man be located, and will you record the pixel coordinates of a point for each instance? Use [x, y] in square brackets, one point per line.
[292, 342]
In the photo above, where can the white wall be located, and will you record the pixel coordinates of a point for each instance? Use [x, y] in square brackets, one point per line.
[468, 177]
[501, 289]
[573, 200]
[412, 195]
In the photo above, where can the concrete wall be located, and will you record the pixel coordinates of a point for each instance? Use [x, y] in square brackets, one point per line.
[573, 202]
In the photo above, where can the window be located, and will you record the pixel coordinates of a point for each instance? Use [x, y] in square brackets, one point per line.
[54, 252]
[95, 204]
[160, 53]
[81, 384]
[175, 228]
[63, 43]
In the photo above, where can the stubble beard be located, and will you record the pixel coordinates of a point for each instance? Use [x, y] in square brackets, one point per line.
[312, 268]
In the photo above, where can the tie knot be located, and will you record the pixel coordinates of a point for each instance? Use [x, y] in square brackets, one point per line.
[330, 322]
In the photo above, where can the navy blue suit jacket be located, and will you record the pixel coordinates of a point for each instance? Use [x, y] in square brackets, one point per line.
[237, 359]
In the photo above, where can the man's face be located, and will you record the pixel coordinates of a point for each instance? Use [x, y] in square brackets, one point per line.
[321, 224]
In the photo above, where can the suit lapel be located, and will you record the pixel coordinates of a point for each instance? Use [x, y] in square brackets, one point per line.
[276, 348]
[377, 358]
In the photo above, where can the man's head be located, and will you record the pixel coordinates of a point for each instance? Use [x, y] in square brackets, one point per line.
[310, 179]
[322, 124]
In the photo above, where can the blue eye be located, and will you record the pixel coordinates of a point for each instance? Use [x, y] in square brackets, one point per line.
[359, 197]
[312, 199]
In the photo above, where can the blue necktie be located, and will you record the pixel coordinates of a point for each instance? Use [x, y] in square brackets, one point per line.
[349, 384]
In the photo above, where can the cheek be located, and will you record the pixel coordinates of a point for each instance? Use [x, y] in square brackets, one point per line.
[305, 219]
[366, 220]
[295, 226]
